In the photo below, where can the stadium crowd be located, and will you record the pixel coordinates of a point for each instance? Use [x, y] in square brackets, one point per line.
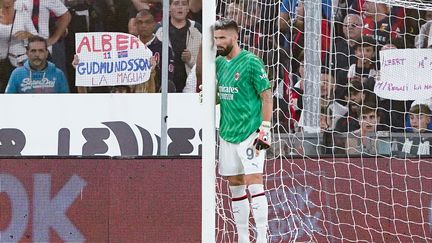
[351, 113]
[57, 21]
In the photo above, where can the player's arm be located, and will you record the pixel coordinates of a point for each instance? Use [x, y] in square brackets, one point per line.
[262, 85]
[267, 104]
[263, 141]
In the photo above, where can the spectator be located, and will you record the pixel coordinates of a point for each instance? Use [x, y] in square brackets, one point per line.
[194, 79]
[252, 36]
[290, 98]
[288, 10]
[145, 25]
[185, 39]
[354, 100]
[195, 13]
[37, 75]
[348, 7]
[51, 19]
[155, 7]
[420, 118]
[234, 11]
[325, 78]
[363, 140]
[296, 36]
[40, 13]
[15, 28]
[364, 67]
[424, 38]
[116, 15]
[344, 54]
[324, 119]
[84, 18]
[379, 24]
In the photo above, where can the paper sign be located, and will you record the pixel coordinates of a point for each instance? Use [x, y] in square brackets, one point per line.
[110, 59]
[406, 74]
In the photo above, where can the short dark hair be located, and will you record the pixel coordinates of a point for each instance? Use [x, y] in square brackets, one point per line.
[420, 109]
[145, 12]
[355, 87]
[226, 24]
[369, 108]
[365, 41]
[171, 1]
[36, 38]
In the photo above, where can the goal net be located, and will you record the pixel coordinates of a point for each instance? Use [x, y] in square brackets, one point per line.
[351, 156]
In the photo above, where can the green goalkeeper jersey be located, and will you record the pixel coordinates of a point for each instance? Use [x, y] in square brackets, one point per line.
[240, 83]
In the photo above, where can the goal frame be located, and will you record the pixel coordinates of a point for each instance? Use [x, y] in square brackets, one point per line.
[208, 175]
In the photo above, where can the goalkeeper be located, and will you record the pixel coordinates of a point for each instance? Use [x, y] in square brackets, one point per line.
[246, 108]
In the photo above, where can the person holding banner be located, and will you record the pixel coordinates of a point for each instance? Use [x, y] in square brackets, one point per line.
[246, 106]
[37, 75]
[145, 25]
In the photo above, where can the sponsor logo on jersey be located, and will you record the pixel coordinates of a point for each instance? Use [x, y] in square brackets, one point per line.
[236, 76]
[227, 92]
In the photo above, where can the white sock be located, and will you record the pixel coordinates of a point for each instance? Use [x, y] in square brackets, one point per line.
[241, 210]
[259, 211]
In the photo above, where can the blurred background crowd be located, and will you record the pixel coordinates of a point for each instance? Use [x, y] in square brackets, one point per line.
[58, 20]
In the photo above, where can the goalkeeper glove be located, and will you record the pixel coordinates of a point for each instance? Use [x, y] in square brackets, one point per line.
[263, 141]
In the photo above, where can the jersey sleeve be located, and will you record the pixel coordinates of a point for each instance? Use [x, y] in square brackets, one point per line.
[259, 76]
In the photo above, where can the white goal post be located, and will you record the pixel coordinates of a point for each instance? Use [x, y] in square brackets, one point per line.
[208, 228]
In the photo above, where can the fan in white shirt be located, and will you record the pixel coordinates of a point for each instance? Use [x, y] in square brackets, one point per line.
[40, 14]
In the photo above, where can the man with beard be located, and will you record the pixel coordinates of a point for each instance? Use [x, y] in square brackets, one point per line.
[37, 75]
[246, 109]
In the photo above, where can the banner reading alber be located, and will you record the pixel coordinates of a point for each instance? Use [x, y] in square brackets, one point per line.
[111, 59]
[405, 74]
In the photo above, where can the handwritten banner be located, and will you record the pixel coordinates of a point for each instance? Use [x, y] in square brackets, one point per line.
[111, 59]
[405, 74]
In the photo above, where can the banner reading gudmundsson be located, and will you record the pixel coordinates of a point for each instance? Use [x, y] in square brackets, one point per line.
[111, 59]
[406, 74]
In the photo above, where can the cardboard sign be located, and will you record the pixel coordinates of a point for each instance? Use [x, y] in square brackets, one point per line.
[111, 59]
[405, 74]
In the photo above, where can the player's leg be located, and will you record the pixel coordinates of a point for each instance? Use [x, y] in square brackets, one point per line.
[231, 168]
[240, 206]
[259, 205]
[253, 163]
